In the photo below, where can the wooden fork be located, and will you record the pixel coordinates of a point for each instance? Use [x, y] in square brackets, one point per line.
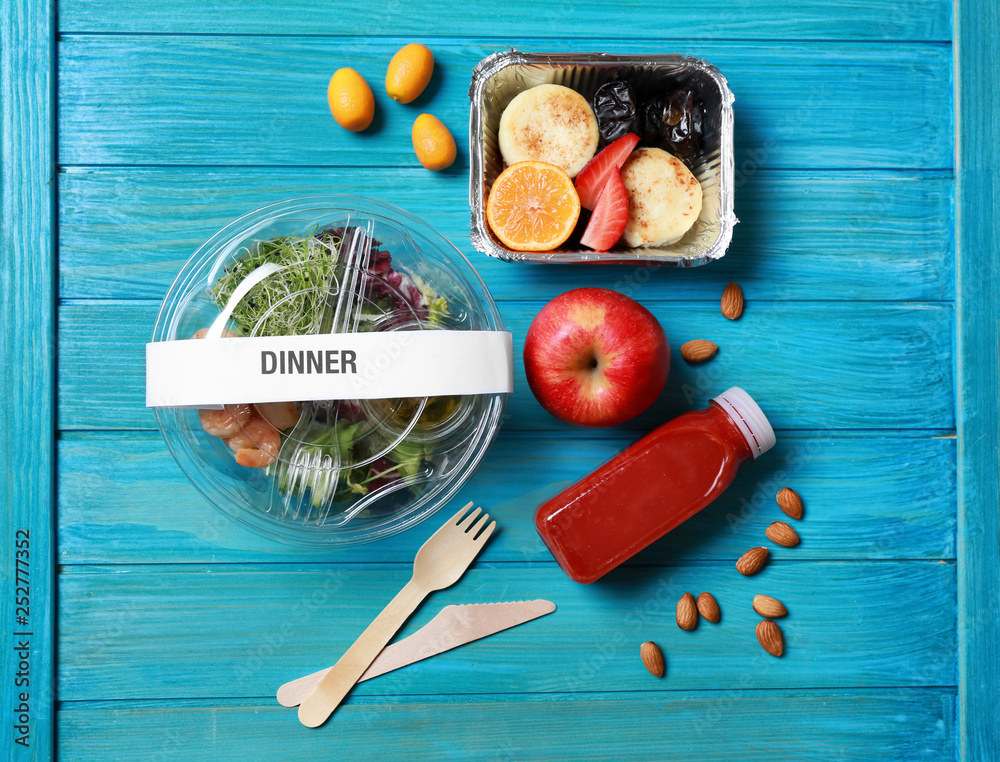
[440, 563]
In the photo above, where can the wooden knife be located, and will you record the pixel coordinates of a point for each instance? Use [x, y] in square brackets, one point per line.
[452, 627]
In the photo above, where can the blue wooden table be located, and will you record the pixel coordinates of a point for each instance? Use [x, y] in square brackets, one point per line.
[867, 166]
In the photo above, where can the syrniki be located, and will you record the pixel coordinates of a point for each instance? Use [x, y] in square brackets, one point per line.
[549, 123]
[664, 198]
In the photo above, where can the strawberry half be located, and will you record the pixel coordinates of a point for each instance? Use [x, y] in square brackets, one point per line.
[610, 216]
[594, 176]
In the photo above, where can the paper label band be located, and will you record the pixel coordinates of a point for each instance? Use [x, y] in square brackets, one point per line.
[212, 372]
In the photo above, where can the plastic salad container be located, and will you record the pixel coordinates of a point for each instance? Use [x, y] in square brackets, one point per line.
[499, 77]
[315, 471]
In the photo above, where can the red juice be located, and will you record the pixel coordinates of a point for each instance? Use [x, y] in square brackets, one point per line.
[657, 483]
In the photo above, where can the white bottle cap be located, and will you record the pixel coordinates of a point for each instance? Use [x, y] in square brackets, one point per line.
[750, 419]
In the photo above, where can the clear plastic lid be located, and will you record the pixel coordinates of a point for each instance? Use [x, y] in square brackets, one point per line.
[327, 472]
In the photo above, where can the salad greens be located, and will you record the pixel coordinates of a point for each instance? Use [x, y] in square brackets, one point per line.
[299, 299]
[293, 301]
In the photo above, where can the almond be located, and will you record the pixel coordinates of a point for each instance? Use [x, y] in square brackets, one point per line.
[790, 502]
[732, 301]
[687, 612]
[769, 607]
[709, 608]
[698, 350]
[752, 561]
[652, 657]
[782, 534]
[769, 636]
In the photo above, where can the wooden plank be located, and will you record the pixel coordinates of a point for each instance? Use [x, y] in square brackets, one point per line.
[520, 19]
[148, 101]
[978, 337]
[811, 364]
[123, 500]
[866, 235]
[687, 726]
[170, 632]
[27, 415]
[829, 724]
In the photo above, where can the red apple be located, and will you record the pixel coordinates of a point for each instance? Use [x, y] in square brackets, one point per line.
[595, 357]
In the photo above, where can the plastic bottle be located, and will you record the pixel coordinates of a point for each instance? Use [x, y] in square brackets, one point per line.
[657, 483]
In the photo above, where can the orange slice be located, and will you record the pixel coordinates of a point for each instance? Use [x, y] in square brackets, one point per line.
[533, 206]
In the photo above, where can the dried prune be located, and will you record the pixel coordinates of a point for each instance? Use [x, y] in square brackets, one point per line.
[615, 108]
[650, 118]
[674, 122]
[682, 125]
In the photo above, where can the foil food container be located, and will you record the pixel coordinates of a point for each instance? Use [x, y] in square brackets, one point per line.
[499, 77]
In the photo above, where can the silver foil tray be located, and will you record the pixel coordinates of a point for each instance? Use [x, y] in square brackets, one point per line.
[499, 77]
